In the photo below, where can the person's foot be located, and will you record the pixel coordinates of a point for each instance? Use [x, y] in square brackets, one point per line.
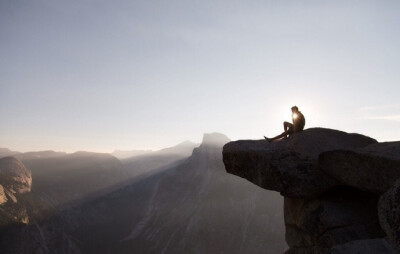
[269, 140]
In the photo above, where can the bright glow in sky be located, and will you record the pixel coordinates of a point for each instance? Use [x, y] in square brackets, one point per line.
[104, 75]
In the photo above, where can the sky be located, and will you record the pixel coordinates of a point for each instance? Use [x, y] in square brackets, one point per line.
[102, 75]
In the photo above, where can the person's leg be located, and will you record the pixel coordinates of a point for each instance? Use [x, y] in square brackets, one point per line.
[282, 135]
[287, 126]
[290, 131]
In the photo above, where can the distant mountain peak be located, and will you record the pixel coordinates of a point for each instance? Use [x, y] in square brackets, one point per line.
[215, 138]
[4, 152]
[124, 154]
[186, 143]
[185, 147]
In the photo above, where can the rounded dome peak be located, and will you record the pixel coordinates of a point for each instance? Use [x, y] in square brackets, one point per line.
[15, 175]
[11, 165]
[214, 138]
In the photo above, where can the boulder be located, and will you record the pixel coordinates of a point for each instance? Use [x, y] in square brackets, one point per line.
[389, 213]
[374, 168]
[289, 166]
[368, 246]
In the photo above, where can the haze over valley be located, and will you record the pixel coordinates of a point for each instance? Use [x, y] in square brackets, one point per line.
[176, 200]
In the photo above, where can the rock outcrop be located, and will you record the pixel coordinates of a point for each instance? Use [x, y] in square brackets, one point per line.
[331, 181]
[14, 176]
[290, 166]
[15, 181]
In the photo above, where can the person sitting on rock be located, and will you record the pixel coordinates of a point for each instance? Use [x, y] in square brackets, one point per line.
[298, 125]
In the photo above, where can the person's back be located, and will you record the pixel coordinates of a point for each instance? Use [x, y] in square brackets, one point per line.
[299, 122]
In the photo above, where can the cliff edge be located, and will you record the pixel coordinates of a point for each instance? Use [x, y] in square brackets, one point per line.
[340, 189]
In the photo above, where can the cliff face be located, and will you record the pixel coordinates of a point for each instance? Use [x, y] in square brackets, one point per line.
[332, 182]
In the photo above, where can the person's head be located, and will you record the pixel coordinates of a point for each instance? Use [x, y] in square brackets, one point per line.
[295, 109]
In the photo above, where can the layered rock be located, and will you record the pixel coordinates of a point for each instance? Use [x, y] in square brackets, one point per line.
[331, 181]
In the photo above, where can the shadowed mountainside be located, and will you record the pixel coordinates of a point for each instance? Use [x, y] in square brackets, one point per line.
[62, 178]
[197, 208]
[150, 163]
[123, 154]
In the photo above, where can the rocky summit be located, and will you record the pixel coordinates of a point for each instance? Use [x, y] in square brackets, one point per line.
[15, 182]
[14, 176]
[334, 184]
